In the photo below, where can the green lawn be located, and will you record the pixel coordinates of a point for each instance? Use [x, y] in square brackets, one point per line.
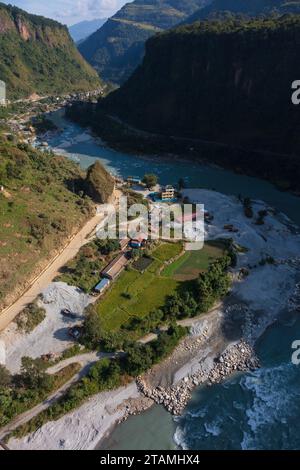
[134, 294]
[167, 251]
[137, 294]
[192, 263]
[153, 297]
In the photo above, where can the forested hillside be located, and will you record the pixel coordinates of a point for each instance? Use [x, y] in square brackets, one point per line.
[225, 86]
[43, 202]
[219, 8]
[39, 56]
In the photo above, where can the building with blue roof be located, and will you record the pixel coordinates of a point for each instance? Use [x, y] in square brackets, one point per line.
[102, 286]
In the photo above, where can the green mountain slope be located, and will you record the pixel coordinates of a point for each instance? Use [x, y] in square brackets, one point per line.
[38, 55]
[226, 82]
[42, 203]
[117, 48]
[245, 7]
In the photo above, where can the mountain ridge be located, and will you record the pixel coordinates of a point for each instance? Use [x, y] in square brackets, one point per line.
[117, 47]
[39, 56]
[218, 8]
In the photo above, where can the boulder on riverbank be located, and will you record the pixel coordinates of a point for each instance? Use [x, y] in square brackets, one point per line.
[237, 357]
[100, 184]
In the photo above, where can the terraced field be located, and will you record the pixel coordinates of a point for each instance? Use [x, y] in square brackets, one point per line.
[192, 263]
[137, 294]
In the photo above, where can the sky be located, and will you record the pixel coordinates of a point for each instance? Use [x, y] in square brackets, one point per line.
[70, 11]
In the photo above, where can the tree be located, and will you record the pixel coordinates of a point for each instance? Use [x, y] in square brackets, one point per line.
[106, 247]
[106, 373]
[33, 374]
[138, 358]
[181, 184]
[5, 377]
[136, 253]
[180, 306]
[112, 342]
[92, 327]
[150, 180]
[12, 171]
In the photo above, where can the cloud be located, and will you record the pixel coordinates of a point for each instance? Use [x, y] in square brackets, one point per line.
[70, 11]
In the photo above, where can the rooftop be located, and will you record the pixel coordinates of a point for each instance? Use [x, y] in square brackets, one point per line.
[103, 283]
[116, 266]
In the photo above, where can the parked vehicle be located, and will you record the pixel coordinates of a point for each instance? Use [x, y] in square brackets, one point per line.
[75, 332]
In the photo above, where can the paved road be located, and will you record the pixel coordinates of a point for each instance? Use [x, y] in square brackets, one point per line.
[50, 272]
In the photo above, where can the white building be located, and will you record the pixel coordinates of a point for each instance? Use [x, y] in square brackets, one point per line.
[2, 93]
[168, 193]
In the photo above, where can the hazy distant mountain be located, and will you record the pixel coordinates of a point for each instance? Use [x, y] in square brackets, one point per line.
[38, 55]
[84, 29]
[117, 47]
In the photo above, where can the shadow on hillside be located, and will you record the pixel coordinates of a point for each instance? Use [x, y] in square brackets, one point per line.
[75, 185]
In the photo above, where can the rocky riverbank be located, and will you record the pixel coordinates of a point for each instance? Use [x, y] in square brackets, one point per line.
[238, 357]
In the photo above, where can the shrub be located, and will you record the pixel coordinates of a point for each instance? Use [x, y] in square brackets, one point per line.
[150, 180]
[5, 377]
[30, 317]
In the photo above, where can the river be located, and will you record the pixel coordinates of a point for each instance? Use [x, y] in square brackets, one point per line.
[259, 410]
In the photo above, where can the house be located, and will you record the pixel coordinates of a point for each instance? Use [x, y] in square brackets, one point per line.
[135, 244]
[167, 193]
[115, 268]
[102, 286]
[124, 244]
[139, 241]
[134, 180]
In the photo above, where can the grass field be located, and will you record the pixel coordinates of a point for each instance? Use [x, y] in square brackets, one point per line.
[192, 263]
[136, 294]
[167, 251]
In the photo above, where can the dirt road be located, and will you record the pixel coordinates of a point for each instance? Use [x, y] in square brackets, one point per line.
[86, 361]
[50, 272]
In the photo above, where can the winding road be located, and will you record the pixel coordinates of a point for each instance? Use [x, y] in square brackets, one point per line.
[85, 360]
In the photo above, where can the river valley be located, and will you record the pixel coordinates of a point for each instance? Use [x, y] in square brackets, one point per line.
[257, 410]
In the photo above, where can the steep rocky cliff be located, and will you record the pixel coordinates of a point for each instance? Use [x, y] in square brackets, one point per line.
[226, 81]
[38, 55]
[220, 82]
